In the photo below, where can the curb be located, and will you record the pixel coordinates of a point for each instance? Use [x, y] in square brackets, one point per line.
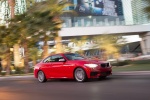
[115, 73]
[132, 73]
[16, 77]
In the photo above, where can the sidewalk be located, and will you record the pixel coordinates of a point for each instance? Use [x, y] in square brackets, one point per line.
[132, 73]
[114, 73]
[16, 77]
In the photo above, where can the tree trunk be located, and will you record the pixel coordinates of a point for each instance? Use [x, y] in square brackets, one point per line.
[34, 62]
[12, 10]
[45, 50]
[59, 47]
[26, 57]
[8, 59]
[12, 7]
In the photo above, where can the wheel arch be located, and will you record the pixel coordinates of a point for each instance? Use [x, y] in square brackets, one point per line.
[83, 69]
[44, 77]
[43, 72]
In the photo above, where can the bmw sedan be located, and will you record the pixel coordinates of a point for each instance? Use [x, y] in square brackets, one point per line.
[71, 66]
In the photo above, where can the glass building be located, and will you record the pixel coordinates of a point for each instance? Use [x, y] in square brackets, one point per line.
[97, 14]
[90, 12]
[106, 13]
[94, 13]
[139, 16]
[5, 13]
[20, 7]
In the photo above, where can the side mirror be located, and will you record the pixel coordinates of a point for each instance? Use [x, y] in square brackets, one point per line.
[62, 60]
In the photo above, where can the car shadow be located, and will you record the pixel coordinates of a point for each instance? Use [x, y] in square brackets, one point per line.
[72, 80]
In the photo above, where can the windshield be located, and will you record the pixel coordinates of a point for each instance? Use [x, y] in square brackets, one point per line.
[73, 56]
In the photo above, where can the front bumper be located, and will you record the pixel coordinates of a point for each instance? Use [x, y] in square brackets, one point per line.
[97, 74]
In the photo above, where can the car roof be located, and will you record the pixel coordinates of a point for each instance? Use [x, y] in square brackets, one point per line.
[60, 53]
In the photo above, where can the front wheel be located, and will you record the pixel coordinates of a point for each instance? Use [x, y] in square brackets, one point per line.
[80, 75]
[41, 77]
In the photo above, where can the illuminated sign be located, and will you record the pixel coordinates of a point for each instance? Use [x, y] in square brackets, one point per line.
[98, 7]
[109, 8]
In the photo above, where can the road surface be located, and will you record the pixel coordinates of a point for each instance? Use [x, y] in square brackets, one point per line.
[120, 86]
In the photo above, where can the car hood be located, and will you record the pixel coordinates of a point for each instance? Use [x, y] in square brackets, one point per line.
[87, 61]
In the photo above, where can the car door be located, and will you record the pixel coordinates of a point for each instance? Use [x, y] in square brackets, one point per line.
[57, 66]
[47, 66]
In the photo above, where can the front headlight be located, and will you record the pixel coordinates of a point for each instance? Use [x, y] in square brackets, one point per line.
[91, 65]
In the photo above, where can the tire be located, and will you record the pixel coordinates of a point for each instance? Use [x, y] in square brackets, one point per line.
[80, 75]
[41, 77]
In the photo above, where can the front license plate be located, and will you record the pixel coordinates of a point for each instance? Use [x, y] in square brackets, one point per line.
[104, 74]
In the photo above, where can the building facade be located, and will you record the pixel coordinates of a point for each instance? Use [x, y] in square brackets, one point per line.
[106, 13]
[5, 12]
[90, 12]
[96, 17]
[95, 13]
[139, 15]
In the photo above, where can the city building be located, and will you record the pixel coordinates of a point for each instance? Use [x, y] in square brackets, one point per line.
[96, 17]
[139, 16]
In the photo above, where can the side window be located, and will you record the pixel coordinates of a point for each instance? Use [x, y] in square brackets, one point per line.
[56, 58]
[47, 60]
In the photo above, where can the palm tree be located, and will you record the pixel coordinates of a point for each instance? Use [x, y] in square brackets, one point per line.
[109, 44]
[36, 23]
[28, 31]
[46, 17]
[21, 30]
[80, 42]
[3, 47]
[44, 28]
[147, 8]
[12, 7]
[21, 24]
[29, 3]
[34, 54]
[7, 41]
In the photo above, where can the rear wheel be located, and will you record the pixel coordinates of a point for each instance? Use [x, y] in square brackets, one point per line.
[80, 75]
[41, 77]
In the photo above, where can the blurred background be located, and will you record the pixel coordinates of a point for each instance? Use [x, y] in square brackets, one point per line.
[112, 30]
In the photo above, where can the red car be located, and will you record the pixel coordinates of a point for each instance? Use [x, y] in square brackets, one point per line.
[71, 66]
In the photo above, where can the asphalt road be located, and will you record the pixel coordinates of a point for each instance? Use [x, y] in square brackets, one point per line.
[115, 87]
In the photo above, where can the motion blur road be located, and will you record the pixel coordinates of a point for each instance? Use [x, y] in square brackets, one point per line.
[115, 87]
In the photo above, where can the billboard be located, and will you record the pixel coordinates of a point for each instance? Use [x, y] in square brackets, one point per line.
[98, 7]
